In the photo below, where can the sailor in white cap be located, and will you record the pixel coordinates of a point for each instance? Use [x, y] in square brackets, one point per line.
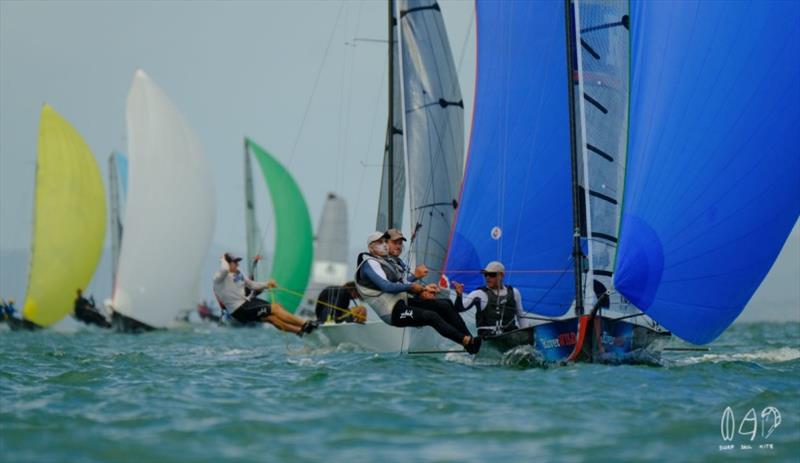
[382, 286]
[498, 307]
[229, 288]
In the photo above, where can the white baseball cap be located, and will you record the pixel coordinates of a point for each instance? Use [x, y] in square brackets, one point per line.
[494, 267]
[375, 236]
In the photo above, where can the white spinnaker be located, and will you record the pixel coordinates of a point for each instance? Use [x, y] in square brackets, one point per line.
[169, 218]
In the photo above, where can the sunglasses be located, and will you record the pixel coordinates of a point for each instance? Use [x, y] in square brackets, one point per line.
[489, 274]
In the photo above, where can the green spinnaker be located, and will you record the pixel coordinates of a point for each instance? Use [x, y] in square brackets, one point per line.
[291, 264]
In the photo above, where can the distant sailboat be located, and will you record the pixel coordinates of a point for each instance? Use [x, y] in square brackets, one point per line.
[425, 151]
[291, 262]
[69, 222]
[698, 185]
[118, 191]
[169, 215]
[330, 252]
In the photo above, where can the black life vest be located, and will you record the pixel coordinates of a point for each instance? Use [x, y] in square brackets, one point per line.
[501, 311]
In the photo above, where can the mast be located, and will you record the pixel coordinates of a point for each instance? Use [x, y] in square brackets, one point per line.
[577, 255]
[390, 141]
[249, 211]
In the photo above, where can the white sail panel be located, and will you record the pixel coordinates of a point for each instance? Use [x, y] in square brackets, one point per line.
[434, 129]
[169, 217]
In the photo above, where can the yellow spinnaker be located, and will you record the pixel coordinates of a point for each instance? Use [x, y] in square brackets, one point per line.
[69, 220]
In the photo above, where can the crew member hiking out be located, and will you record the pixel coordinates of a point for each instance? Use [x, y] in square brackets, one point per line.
[229, 287]
[382, 287]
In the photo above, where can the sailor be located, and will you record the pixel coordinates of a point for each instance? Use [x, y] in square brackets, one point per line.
[498, 308]
[395, 242]
[10, 309]
[86, 311]
[229, 287]
[333, 305]
[381, 285]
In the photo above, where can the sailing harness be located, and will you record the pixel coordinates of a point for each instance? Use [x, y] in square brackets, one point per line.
[382, 303]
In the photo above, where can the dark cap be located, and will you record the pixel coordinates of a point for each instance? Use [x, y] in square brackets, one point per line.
[395, 234]
[231, 258]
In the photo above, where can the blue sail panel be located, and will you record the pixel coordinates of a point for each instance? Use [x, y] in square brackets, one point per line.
[713, 181]
[516, 200]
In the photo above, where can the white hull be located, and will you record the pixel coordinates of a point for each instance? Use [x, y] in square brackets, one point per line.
[379, 337]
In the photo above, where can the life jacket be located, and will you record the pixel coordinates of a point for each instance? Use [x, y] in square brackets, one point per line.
[382, 303]
[500, 314]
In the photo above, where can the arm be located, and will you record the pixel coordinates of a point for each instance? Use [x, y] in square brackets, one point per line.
[522, 319]
[474, 299]
[256, 285]
[379, 279]
[224, 269]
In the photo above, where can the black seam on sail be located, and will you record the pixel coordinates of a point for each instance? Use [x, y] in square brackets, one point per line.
[435, 6]
[396, 131]
[450, 204]
[604, 236]
[595, 103]
[604, 273]
[589, 49]
[442, 102]
[602, 196]
[624, 22]
[599, 152]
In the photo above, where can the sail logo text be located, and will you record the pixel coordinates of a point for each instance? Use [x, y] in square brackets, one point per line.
[749, 426]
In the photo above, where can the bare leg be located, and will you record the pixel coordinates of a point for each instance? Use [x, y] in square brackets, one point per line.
[278, 323]
[285, 317]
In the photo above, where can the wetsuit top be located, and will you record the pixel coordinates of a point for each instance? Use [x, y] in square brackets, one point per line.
[229, 287]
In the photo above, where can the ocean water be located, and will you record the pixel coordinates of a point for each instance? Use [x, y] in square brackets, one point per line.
[210, 394]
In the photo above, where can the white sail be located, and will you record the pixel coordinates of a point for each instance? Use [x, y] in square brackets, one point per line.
[118, 190]
[433, 129]
[169, 217]
[330, 251]
[602, 110]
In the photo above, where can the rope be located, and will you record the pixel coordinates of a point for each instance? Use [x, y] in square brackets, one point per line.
[347, 312]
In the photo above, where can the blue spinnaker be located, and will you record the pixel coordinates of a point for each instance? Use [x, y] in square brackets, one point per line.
[713, 180]
[516, 200]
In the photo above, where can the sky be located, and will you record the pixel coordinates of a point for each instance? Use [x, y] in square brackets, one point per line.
[304, 79]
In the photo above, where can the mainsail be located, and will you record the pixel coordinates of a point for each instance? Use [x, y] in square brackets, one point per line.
[713, 176]
[516, 200]
[69, 220]
[393, 175]
[170, 213]
[600, 59]
[118, 186]
[433, 129]
[291, 263]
